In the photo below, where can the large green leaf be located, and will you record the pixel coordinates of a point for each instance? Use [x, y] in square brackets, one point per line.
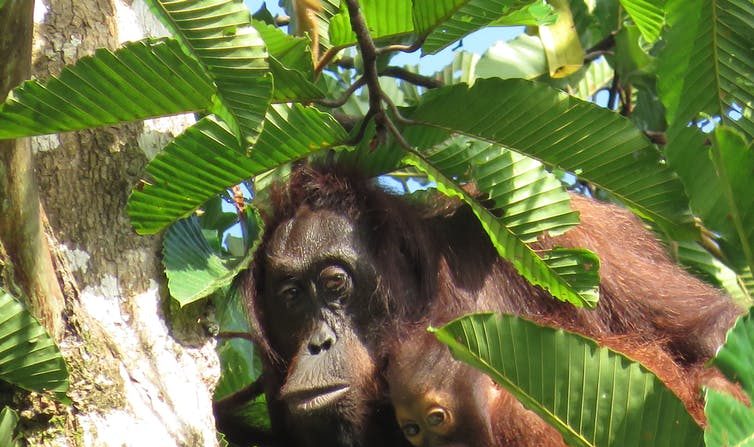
[734, 162]
[219, 34]
[562, 132]
[446, 21]
[530, 200]
[707, 66]
[292, 132]
[731, 423]
[197, 164]
[28, 356]
[593, 396]
[570, 275]
[141, 80]
[207, 158]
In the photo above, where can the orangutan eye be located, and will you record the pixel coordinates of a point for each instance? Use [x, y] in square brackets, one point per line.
[289, 294]
[411, 429]
[436, 417]
[335, 279]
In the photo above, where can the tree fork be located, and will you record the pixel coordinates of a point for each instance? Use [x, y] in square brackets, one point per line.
[20, 211]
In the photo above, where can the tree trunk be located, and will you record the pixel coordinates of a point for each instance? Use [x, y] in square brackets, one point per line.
[138, 378]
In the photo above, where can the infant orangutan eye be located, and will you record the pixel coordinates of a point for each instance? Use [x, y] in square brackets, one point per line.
[411, 430]
[436, 417]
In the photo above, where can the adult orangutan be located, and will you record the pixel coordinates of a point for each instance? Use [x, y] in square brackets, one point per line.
[344, 265]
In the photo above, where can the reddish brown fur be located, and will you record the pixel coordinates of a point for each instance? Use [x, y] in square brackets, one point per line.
[427, 261]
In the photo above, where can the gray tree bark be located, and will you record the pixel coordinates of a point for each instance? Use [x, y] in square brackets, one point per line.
[142, 372]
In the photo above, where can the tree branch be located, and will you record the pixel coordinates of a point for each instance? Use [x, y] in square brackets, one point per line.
[382, 123]
[369, 56]
[335, 103]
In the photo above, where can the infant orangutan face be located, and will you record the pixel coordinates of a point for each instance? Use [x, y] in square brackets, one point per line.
[446, 407]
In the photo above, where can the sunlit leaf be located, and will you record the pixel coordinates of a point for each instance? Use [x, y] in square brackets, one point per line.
[219, 34]
[562, 132]
[593, 396]
[141, 80]
[561, 42]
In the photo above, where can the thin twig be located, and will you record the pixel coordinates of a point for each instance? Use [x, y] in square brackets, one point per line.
[398, 136]
[413, 78]
[242, 396]
[396, 112]
[335, 103]
[324, 60]
[403, 48]
[362, 129]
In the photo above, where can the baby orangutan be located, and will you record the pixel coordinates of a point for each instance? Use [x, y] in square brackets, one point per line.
[439, 401]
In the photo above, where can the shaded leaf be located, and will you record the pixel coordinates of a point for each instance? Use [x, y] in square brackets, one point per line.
[239, 359]
[712, 270]
[8, 417]
[734, 162]
[730, 421]
[195, 270]
[28, 356]
[736, 358]
[689, 156]
[593, 396]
